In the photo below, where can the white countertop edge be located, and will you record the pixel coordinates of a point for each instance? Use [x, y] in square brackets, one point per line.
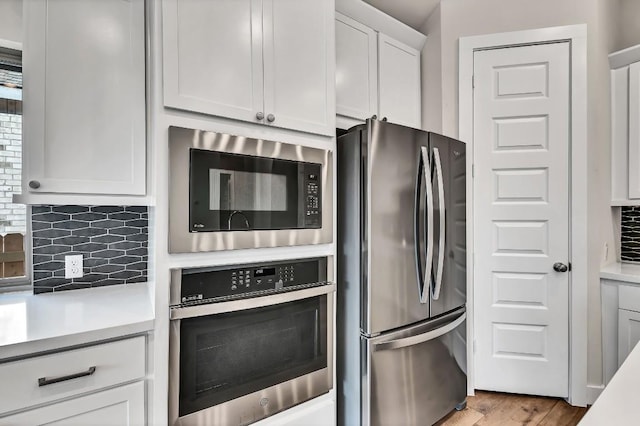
[627, 272]
[616, 403]
[30, 348]
[54, 321]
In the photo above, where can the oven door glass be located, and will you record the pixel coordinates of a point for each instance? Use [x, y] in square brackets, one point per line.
[225, 356]
[232, 192]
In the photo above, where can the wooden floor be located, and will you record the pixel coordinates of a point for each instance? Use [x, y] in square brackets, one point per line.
[492, 408]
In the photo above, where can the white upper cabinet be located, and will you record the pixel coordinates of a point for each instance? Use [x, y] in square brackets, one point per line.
[399, 82]
[625, 126]
[356, 69]
[377, 66]
[299, 65]
[265, 61]
[213, 57]
[84, 97]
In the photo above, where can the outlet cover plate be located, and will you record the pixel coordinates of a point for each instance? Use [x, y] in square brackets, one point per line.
[73, 266]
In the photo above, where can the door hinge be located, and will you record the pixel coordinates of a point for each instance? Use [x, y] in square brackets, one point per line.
[473, 81]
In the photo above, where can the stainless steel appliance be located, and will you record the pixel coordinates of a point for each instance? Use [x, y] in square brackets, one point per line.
[231, 192]
[402, 275]
[248, 341]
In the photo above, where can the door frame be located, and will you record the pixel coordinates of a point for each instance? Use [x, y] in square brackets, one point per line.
[576, 35]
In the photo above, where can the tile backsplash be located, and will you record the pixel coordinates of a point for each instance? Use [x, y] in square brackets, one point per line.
[113, 241]
[630, 234]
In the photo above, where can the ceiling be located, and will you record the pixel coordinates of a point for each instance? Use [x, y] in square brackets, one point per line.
[412, 12]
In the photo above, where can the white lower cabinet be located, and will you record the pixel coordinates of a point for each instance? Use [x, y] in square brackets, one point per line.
[628, 333]
[101, 384]
[119, 406]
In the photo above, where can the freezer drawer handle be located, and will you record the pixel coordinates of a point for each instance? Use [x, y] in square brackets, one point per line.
[441, 242]
[424, 278]
[43, 381]
[420, 338]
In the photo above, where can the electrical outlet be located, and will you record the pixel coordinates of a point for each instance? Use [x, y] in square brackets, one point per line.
[73, 266]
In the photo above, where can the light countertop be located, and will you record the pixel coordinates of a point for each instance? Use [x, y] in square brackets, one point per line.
[617, 402]
[37, 323]
[628, 272]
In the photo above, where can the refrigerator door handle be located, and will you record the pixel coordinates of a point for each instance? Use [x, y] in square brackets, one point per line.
[442, 234]
[424, 278]
[420, 338]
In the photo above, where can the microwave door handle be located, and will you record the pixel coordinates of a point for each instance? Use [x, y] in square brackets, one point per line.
[426, 283]
[246, 221]
[442, 231]
[420, 338]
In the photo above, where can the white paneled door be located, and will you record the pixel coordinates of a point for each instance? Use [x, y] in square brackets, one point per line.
[521, 204]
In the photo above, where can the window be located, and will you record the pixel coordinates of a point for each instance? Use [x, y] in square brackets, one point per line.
[13, 218]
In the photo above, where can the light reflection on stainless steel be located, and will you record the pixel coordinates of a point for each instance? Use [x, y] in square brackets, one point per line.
[183, 241]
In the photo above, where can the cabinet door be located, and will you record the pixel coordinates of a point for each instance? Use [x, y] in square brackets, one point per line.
[299, 65]
[356, 69]
[119, 406]
[212, 53]
[634, 131]
[628, 333]
[84, 96]
[399, 82]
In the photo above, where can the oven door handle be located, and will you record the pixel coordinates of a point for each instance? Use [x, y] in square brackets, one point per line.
[181, 312]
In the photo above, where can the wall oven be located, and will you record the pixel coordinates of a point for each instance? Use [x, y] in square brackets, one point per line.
[231, 192]
[249, 341]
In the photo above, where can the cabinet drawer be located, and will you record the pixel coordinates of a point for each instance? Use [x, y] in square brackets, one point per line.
[114, 362]
[629, 298]
[119, 406]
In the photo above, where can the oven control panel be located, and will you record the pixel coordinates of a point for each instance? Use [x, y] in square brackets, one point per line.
[203, 284]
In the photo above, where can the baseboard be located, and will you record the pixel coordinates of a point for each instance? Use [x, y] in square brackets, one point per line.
[593, 392]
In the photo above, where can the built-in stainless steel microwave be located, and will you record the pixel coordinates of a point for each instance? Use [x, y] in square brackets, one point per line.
[232, 192]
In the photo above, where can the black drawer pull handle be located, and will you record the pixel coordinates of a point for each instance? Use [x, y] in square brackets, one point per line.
[43, 381]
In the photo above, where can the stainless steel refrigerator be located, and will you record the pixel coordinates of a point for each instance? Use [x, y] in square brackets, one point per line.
[401, 275]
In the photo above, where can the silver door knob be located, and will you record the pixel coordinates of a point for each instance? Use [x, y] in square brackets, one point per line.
[260, 116]
[34, 184]
[560, 267]
[271, 118]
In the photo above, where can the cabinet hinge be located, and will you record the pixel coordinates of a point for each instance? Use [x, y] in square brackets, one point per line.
[473, 81]
[473, 170]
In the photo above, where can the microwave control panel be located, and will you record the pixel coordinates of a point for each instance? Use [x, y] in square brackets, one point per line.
[312, 205]
[250, 280]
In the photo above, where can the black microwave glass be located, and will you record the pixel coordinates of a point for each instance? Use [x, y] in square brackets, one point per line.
[225, 356]
[235, 192]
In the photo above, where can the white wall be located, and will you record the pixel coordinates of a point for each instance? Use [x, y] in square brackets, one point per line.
[11, 20]
[629, 24]
[460, 18]
[432, 74]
